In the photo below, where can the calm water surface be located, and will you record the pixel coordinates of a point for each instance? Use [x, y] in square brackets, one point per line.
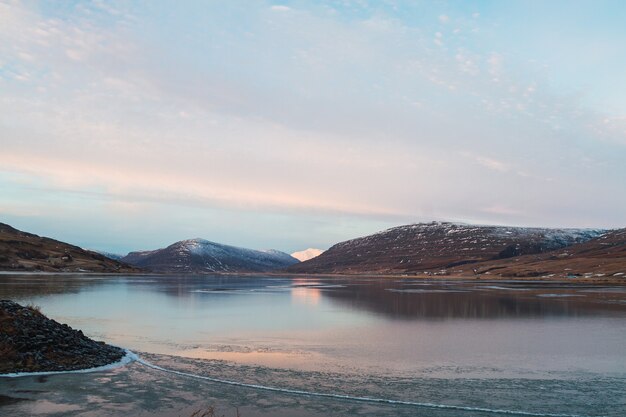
[539, 348]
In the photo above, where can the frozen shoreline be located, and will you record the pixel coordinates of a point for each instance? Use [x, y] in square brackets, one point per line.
[129, 357]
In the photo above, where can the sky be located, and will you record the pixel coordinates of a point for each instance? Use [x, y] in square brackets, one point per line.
[129, 125]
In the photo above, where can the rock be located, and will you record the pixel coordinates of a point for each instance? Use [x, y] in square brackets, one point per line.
[31, 342]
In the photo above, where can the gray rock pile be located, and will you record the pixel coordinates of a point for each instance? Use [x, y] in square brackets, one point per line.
[31, 342]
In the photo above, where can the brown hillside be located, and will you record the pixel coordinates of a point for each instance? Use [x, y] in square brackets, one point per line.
[438, 248]
[21, 251]
[604, 256]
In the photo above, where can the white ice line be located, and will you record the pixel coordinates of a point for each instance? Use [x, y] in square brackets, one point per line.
[350, 397]
[132, 357]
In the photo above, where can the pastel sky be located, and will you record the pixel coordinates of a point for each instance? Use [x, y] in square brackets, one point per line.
[129, 125]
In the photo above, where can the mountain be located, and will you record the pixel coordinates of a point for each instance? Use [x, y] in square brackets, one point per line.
[305, 255]
[21, 251]
[110, 255]
[199, 255]
[604, 256]
[437, 247]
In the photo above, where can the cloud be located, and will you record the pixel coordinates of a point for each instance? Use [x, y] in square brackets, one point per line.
[280, 8]
[502, 210]
[343, 113]
[74, 54]
[494, 64]
[492, 164]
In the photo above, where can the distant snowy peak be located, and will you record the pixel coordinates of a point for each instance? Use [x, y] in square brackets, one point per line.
[305, 255]
[110, 255]
[205, 247]
[201, 255]
[280, 255]
[133, 258]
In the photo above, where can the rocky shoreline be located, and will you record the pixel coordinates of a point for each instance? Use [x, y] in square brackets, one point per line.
[31, 342]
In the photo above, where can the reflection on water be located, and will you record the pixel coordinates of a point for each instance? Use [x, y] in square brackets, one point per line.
[22, 286]
[390, 298]
[306, 295]
[418, 340]
[464, 300]
[374, 325]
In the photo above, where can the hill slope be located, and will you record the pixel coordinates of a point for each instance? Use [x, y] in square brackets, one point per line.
[604, 256]
[424, 247]
[199, 255]
[21, 251]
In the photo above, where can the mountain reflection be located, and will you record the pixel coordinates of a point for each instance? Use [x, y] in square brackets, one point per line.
[21, 286]
[468, 302]
[395, 299]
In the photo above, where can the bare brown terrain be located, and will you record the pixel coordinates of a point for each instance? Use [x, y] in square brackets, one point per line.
[456, 250]
[424, 250]
[602, 257]
[21, 251]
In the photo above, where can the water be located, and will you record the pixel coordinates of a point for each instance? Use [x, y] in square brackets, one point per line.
[273, 346]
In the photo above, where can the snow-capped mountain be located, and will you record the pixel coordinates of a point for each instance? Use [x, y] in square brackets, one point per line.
[305, 255]
[199, 255]
[434, 246]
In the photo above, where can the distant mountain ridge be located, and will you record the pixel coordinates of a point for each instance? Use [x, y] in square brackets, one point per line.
[200, 255]
[435, 246]
[110, 255]
[305, 255]
[22, 251]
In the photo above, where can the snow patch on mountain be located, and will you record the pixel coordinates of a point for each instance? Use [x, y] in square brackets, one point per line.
[438, 246]
[110, 255]
[305, 255]
[201, 255]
